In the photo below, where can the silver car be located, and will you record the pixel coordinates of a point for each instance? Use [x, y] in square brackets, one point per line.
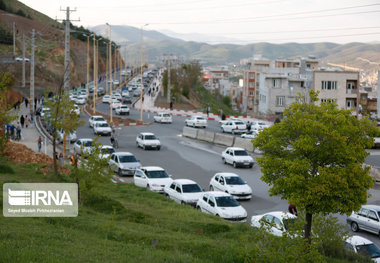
[367, 219]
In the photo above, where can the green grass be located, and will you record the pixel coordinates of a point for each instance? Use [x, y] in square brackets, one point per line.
[118, 223]
[206, 98]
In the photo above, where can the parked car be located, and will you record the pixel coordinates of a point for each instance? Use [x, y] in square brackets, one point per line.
[80, 100]
[20, 59]
[221, 122]
[77, 109]
[106, 99]
[72, 137]
[153, 178]
[148, 140]
[106, 151]
[363, 246]
[367, 219]
[258, 125]
[163, 117]
[95, 118]
[122, 110]
[124, 163]
[184, 191]
[102, 128]
[275, 223]
[232, 184]
[237, 157]
[223, 205]
[234, 127]
[250, 135]
[86, 144]
[196, 121]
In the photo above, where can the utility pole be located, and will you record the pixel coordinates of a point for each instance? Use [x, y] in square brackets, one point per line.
[94, 78]
[110, 69]
[23, 61]
[32, 76]
[14, 39]
[107, 90]
[88, 67]
[66, 75]
[168, 91]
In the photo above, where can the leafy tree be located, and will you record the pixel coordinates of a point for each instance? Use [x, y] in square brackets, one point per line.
[62, 116]
[6, 81]
[227, 101]
[314, 159]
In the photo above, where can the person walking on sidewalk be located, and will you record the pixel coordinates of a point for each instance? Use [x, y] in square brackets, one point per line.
[18, 132]
[39, 143]
[171, 105]
[22, 121]
[27, 122]
[26, 102]
[61, 160]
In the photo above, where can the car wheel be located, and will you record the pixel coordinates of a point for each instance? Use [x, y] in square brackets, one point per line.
[144, 147]
[233, 132]
[354, 227]
[223, 130]
[167, 196]
[211, 188]
[251, 166]
[148, 187]
[198, 208]
[128, 113]
[217, 215]
[158, 148]
[183, 203]
[235, 165]
[224, 160]
[119, 172]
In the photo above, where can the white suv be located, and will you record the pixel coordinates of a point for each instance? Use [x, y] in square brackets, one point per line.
[184, 191]
[148, 140]
[234, 127]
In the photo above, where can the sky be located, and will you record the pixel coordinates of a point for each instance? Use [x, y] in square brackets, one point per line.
[238, 21]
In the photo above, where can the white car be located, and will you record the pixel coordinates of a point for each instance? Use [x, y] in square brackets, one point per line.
[106, 151]
[250, 135]
[234, 127]
[124, 163]
[102, 128]
[106, 99]
[258, 125]
[86, 144]
[363, 246]
[184, 191]
[95, 118]
[163, 117]
[196, 121]
[223, 205]
[115, 104]
[231, 183]
[44, 111]
[221, 122]
[116, 96]
[122, 109]
[148, 140]
[275, 223]
[20, 59]
[237, 157]
[80, 100]
[77, 109]
[152, 178]
[72, 137]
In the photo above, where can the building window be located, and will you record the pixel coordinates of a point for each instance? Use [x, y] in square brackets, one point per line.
[276, 83]
[280, 101]
[329, 85]
[251, 76]
[251, 84]
[251, 93]
[328, 100]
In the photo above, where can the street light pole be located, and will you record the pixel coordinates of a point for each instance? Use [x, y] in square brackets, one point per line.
[94, 79]
[110, 69]
[141, 72]
[88, 66]
[107, 91]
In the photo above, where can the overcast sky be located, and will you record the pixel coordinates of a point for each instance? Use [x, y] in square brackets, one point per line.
[248, 21]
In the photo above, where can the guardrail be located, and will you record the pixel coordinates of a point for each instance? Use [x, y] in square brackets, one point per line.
[218, 138]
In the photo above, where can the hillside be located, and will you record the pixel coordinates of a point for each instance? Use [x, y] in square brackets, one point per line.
[49, 49]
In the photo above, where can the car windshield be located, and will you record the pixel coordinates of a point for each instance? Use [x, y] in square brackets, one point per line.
[239, 123]
[108, 150]
[150, 137]
[234, 180]
[157, 174]
[191, 188]
[226, 201]
[123, 107]
[369, 250]
[241, 153]
[127, 159]
[87, 143]
[166, 115]
[262, 123]
[99, 119]
[200, 118]
[103, 125]
[288, 222]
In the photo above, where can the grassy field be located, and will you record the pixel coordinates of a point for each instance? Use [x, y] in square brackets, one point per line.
[123, 223]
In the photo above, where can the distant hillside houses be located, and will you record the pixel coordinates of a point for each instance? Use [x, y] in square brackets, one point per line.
[269, 86]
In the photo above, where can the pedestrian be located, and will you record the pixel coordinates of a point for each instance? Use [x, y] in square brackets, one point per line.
[35, 103]
[22, 121]
[292, 209]
[171, 105]
[26, 102]
[208, 110]
[249, 126]
[61, 160]
[39, 143]
[27, 122]
[13, 130]
[18, 132]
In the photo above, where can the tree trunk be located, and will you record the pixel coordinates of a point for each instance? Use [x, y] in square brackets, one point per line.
[309, 218]
[54, 154]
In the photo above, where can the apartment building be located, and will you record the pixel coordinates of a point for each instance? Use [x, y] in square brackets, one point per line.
[339, 86]
[216, 75]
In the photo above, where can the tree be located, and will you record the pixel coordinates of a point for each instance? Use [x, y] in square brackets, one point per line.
[314, 158]
[62, 116]
[6, 116]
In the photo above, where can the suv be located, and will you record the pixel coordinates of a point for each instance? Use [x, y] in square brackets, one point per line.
[366, 219]
[234, 127]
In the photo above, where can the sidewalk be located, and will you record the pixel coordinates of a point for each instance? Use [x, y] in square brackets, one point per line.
[29, 136]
